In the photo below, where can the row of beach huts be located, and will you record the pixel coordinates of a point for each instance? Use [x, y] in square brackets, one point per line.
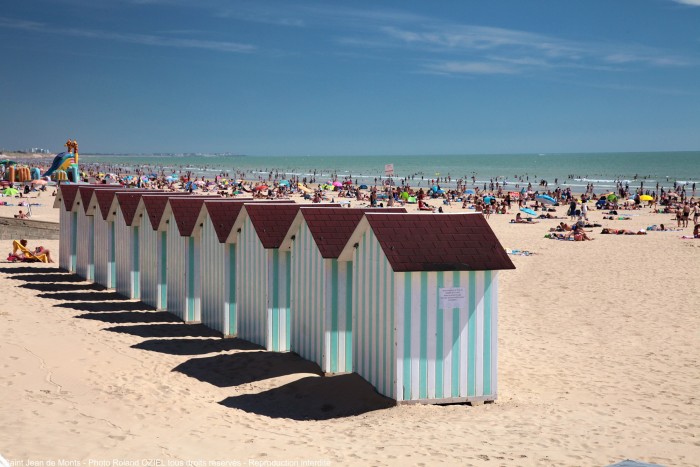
[407, 301]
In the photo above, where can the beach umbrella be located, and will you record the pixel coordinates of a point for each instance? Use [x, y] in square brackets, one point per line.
[10, 191]
[469, 192]
[347, 182]
[284, 182]
[363, 187]
[336, 183]
[646, 198]
[487, 199]
[260, 187]
[612, 197]
[440, 192]
[404, 195]
[545, 199]
[435, 188]
[528, 211]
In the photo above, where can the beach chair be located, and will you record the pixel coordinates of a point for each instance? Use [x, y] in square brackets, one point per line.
[26, 253]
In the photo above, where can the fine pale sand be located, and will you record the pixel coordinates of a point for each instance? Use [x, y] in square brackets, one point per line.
[599, 356]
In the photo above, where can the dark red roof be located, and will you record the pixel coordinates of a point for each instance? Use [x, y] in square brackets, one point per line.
[155, 206]
[438, 242]
[223, 215]
[128, 202]
[104, 201]
[86, 192]
[331, 228]
[272, 221]
[68, 193]
[186, 211]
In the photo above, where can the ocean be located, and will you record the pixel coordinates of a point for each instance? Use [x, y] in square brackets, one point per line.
[604, 170]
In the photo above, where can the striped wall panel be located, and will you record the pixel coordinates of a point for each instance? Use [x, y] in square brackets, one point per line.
[321, 298]
[193, 280]
[307, 298]
[64, 235]
[123, 238]
[177, 250]
[230, 324]
[148, 263]
[252, 277]
[84, 236]
[446, 353]
[373, 318]
[102, 251]
[213, 281]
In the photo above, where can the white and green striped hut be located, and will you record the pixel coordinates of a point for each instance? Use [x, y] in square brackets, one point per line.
[218, 253]
[152, 248]
[425, 305]
[182, 252]
[68, 226]
[86, 206]
[263, 274]
[321, 291]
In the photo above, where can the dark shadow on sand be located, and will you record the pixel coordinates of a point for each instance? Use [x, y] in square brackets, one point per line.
[314, 398]
[87, 296]
[105, 306]
[32, 270]
[194, 346]
[127, 317]
[50, 287]
[245, 367]
[165, 330]
[47, 277]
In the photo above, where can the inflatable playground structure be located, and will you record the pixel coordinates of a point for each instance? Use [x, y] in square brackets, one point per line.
[64, 167]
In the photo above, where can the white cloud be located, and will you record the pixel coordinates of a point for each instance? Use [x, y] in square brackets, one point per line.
[472, 68]
[688, 2]
[141, 39]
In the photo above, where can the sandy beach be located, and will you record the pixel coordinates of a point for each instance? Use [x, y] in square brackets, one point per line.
[599, 361]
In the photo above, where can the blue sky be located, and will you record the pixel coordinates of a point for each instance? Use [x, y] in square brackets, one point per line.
[344, 78]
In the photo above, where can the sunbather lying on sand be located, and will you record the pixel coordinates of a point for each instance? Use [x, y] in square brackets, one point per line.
[622, 232]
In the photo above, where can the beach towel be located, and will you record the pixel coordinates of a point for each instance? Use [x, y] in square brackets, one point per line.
[519, 252]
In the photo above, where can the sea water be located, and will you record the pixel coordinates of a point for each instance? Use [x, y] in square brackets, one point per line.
[604, 170]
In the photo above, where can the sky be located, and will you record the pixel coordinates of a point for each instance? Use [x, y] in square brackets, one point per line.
[404, 77]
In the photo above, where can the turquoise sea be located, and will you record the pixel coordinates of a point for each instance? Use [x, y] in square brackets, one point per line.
[575, 170]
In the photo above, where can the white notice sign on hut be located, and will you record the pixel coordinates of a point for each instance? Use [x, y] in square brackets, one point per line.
[452, 297]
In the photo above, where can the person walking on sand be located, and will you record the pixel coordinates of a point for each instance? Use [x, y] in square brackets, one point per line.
[572, 210]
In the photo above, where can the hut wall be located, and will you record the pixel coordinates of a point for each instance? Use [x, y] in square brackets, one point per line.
[321, 300]
[446, 354]
[193, 280]
[231, 289]
[148, 263]
[177, 250]
[373, 300]
[213, 283]
[124, 242]
[84, 235]
[252, 277]
[264, 289]
[102, 250]
[64, 238]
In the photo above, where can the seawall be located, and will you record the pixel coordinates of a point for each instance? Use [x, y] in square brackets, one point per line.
[14, 229]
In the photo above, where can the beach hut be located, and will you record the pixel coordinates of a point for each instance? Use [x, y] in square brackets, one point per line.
[152, 256]
[425, 305]
[85, 207]
[218, 257]
[321, 289]
[127, 239]
[106, 250]
[181, 253]
[68, 226]
[263, 274]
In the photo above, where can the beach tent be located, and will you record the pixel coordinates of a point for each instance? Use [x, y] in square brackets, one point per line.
[425, 307]
[218, 254]
[321, 289]
[181, 253]
[263, 273]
